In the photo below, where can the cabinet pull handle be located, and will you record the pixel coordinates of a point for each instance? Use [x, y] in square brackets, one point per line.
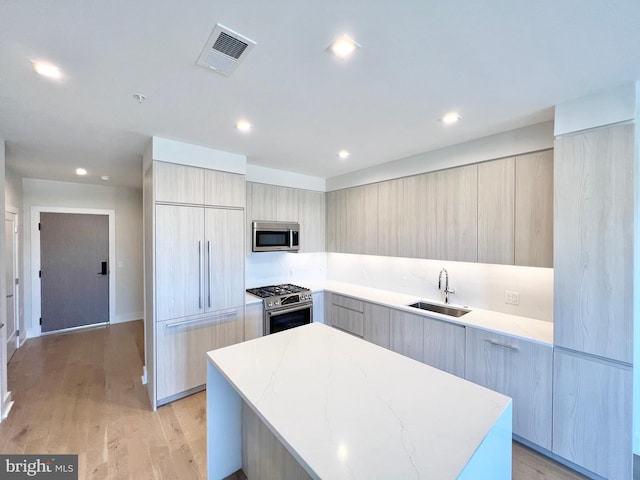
[503, 345]
[209, 273]
[199, 274]
[197, 320]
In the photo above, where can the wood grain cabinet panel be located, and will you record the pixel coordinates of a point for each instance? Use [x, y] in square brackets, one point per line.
[418, 232]
[444, 346]
[179, 261]
[311, 215]
[496, 198]
[592, 414]
[392, 215]
[534, 209]
[457, 214]
[253, 321]
[593, 242]
[376, 324]
[336, 223]
[346, 313]
[517, 368]
[178, 183]
[224, 189]
[182, 347]
[406, 334]
[362, 220]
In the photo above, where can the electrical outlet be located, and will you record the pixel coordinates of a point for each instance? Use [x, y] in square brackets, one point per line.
[512, 298]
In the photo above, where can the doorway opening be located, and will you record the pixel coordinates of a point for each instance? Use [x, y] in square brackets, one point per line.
[11, 275]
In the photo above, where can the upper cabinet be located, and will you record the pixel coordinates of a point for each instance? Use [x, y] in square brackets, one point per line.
[286, 204]
[175, 183]
[499, 211]
[534, 209]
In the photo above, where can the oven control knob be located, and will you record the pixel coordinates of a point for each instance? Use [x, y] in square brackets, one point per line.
[270, 304]
[277, 303]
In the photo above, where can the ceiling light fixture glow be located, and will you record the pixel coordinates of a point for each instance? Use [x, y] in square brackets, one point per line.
[48, 70]
[81, 172]
[451, 117]
[343, 154]
[343, 46]
[105, 178]
[244, 126]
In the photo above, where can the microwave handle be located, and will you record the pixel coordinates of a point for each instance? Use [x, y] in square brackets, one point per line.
[290, 238]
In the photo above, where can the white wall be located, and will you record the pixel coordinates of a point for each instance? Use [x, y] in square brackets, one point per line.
[13, 199]
[127, 204]
[506, 144]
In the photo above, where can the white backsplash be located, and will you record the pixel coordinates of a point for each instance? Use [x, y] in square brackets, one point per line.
[272, 268]
[476, 284]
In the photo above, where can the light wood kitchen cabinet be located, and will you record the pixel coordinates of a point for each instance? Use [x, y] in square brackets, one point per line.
[253, 321]
[336, 223]
[362, 220]
[392, 213]
[262, 202]
[534, 209]
[457, 214]
[520, 369]
[376, 324]
[407, 334]
[593, 242]
[178, 183]
[496, 198]
[197, 260]
[183, 345]
[444, 346]
[224, 189]
[419, 239]
[346, 314]
[194, 273]
[592, 414]
[175, 183]
[311, 215]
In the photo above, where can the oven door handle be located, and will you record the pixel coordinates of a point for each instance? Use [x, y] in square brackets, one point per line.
[289, 310]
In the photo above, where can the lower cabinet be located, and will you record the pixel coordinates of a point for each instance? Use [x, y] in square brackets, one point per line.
[346, 314]
[592, 414]
[254, 321]
[520, 369]
[376, 324]
[434, 342]
[181, 347]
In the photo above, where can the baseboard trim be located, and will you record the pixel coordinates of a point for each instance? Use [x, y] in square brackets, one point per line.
[127, 317]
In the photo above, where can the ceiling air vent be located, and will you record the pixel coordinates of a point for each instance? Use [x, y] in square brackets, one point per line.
[224, 50]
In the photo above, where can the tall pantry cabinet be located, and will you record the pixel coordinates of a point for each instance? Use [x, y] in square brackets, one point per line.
[593, 299]
[194, 253]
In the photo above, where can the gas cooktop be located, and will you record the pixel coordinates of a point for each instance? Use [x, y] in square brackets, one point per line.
[276, 290]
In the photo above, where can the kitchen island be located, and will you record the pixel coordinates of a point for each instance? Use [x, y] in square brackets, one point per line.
[343, 408]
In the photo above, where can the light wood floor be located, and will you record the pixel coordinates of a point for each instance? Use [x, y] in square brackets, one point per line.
[81, 393]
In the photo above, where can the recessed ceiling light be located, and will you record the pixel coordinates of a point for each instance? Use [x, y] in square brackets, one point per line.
[451, 117]
[105, 178]
[81, 172]
[343, 46]
[244, 126]
[343, 154]
[48, 70]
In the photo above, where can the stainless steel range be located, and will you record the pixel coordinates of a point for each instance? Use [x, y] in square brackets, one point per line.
[285, 306]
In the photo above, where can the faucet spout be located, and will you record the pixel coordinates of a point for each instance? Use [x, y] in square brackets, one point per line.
[447, 290]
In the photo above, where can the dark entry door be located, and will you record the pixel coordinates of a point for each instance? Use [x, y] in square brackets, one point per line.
[74, 262]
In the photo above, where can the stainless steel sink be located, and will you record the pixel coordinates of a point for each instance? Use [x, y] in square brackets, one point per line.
[445, 310]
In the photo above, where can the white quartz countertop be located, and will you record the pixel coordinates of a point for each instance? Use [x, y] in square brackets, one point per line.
[346, 408]
[502, 323]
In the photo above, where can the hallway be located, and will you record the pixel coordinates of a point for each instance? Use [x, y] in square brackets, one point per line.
[81, 393]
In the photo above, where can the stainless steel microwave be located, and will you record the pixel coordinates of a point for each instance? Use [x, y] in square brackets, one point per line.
[276, 236]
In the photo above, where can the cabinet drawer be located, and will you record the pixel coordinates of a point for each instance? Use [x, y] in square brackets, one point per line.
[348, 320]
[183, 343]
[517, 368]
[347, 302]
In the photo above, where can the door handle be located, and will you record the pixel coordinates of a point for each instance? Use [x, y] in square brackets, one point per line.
[103, 269]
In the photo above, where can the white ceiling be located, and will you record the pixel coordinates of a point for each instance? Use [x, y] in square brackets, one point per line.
[501, 64]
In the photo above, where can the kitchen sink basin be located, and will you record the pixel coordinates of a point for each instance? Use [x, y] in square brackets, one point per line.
[445, 310]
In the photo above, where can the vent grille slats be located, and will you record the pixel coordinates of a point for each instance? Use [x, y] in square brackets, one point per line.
[229, 45]
[224, 50]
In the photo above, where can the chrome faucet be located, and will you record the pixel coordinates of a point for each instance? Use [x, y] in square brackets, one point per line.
[447, 290]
